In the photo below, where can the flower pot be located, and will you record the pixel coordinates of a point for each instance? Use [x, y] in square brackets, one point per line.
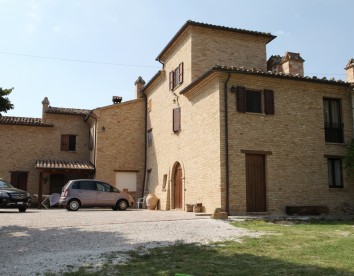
[151, 201]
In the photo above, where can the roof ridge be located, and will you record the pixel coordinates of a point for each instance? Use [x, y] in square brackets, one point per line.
[67, 110]
[192, 22]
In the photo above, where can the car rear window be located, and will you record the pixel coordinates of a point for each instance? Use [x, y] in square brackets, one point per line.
[85, 185]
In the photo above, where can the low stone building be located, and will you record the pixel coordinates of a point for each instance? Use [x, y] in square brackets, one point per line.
[219, 125]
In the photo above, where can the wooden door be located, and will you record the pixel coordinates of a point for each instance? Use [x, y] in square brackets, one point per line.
[255, 183]
[178, 187]
[57, 183]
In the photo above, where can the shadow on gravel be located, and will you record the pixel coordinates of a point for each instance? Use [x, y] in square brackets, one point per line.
[35, 251]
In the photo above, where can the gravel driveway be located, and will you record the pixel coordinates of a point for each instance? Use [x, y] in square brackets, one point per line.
[56, 240]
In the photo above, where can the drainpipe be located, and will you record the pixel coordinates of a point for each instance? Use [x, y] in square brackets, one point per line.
[226, 121]
[145, 143]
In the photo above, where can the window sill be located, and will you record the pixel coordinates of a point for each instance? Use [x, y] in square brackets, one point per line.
[337, 189]
[335, 144]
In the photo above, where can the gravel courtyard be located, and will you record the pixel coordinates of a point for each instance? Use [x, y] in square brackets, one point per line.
[56, 240]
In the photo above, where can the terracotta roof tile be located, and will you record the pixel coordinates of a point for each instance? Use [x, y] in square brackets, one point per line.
[67, 111]
[253, 71]
[10, 120]
[67, 165]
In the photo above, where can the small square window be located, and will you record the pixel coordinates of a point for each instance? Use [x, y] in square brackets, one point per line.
[68, 142]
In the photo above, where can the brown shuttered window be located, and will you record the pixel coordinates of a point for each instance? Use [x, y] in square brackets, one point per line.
[171, 80]
[176, 119]
[68, 142]
[241, 98]
[176, 77]
[268, 102]
[64, 142]
[180, 73]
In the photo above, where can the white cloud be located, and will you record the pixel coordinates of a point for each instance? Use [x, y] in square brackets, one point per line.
[34, 17]
[281, 32]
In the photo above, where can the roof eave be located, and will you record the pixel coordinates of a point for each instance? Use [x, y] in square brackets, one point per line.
[218, 68]
[152, 80]
[204, 25]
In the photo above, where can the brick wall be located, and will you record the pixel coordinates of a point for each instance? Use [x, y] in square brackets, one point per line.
[120, 145]
[210, 47]
[21, 146]
[296, 171]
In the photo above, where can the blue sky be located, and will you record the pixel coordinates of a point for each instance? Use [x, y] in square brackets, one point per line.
[114, 42]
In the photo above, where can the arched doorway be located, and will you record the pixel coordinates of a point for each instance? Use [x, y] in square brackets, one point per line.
[178, 187]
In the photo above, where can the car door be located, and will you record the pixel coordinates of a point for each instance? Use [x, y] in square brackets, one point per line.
[105, 194]
[87, 193]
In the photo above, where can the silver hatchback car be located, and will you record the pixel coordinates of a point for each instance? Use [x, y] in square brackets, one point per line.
[93, 193]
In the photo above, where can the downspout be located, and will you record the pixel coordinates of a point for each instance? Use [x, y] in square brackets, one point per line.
[226, 121]
[145, 143]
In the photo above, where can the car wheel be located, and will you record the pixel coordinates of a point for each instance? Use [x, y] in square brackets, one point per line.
[73, 205]
[22, 209]
[122, 205]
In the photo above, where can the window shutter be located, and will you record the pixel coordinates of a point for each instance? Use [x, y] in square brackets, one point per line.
[180, 75]
[64, 142]
[176, 119]
[171, 80]
[241, 99]
[268, 102]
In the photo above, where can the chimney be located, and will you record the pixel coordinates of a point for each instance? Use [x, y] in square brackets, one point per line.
[273, 64]
[139, 84]
[45, 104]
[350, 70]
[292, 64]
[116, 99]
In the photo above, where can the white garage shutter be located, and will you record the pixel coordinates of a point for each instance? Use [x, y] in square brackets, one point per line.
[126, 180]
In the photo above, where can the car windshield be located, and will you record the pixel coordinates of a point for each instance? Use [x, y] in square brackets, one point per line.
[5, 184]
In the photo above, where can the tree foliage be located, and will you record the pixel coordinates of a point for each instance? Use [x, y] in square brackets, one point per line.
[5, 103]
[349, 159]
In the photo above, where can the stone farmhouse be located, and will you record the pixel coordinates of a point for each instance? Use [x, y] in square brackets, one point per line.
[219, 124]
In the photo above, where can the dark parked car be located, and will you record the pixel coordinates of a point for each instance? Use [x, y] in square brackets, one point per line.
[93, 193]
[11, 197]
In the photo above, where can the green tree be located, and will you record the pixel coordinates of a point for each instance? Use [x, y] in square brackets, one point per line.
[349, 159]
[5, 103]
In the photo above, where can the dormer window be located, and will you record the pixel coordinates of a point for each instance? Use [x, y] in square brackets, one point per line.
[176, 77]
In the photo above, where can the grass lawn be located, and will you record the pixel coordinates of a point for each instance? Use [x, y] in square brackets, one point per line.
[312, 248]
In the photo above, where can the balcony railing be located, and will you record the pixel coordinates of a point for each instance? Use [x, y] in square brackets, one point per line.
[334, 132]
